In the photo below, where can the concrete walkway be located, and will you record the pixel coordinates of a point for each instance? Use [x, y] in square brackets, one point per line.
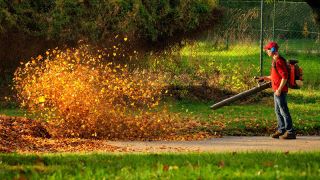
[224, 144]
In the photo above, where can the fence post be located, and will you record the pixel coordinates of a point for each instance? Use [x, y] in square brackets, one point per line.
[273, 20]
[261, 39]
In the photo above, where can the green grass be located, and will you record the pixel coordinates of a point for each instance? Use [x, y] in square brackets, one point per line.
[161, 166]
[256, 118]
[12, 112]
[248, 54]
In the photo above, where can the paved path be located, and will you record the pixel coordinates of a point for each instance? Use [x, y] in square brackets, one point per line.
[225, 144]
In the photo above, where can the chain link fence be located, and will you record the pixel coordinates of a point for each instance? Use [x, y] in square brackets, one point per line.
[290, 24]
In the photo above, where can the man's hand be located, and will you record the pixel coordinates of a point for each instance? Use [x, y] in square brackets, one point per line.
[277, 92]
[266, 78]
[261, 78]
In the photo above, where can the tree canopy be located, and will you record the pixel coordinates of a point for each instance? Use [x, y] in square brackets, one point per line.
[70, 20]
[315, 5]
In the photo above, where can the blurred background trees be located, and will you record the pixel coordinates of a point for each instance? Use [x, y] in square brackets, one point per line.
[29, 27]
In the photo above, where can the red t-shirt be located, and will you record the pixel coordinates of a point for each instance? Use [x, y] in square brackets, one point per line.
[280, 73]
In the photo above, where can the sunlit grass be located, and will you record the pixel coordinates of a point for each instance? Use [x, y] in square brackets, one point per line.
[207, 49]
[161, 166]
[248, 54]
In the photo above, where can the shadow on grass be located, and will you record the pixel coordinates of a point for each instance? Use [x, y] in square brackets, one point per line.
[301, 99]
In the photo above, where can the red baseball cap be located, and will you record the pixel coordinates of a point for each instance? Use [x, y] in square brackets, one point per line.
[271, 45]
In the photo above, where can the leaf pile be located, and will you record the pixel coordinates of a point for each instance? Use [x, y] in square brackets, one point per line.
[13, 129]
[19, 134]
[27, 135]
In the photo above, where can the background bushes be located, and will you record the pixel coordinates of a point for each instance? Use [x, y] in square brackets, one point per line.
[69, 20]
[30, 27]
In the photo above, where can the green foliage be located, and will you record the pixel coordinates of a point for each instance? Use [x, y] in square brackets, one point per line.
[28, 16]
[95, 20]
[257, 165]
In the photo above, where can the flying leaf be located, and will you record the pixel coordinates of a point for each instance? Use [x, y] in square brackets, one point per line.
[42, 99]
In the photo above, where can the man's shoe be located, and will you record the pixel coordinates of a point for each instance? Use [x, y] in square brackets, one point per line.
[277, 134]
[288, 136]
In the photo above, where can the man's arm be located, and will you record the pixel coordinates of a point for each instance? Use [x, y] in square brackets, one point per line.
[283, 72]
[282, 84]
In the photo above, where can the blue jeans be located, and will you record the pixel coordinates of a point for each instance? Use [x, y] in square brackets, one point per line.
[283, 114]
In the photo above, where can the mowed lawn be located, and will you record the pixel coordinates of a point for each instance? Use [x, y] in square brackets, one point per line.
[282, 165]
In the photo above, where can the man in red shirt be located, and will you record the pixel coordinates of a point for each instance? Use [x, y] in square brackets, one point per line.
[278, 77]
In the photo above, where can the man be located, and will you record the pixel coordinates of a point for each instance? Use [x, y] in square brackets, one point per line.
[278, 77]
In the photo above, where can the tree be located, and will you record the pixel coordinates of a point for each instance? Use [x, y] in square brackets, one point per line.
[315, 5]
